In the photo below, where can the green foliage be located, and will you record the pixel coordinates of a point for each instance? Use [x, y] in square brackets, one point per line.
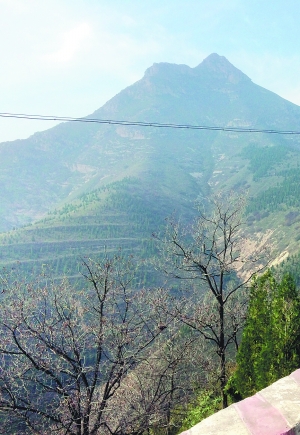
[270, 346]
[290, 266]
[281, 197]
[263, 159]
[206, 404]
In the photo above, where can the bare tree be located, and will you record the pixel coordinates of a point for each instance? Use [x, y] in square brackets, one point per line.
[213, 254]
[161, 387]
[69, 358]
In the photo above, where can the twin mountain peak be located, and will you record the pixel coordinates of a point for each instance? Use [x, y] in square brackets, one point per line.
[215, 65]
[141, 175]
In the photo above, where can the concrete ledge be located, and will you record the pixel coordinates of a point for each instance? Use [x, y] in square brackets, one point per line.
[275, 410]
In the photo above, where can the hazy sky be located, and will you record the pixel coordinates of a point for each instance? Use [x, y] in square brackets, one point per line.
[68, 57]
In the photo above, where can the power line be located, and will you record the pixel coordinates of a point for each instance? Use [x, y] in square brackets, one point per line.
[146, 124]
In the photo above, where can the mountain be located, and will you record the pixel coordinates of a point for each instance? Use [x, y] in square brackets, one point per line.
[79, 186]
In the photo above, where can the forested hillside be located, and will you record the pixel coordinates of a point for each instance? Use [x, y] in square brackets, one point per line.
[77, 187]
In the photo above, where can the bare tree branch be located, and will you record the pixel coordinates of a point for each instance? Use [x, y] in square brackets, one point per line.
[213, 255]
[68, 357]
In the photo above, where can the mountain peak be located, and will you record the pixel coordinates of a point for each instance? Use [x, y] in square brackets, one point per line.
[214, 66]
[220, 67]
[164, 68]
[215, 59]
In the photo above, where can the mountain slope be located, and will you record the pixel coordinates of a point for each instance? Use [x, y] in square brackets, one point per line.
[113, 185]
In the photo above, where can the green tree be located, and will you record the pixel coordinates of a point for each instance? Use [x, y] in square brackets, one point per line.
[270, 346]
[285, 324]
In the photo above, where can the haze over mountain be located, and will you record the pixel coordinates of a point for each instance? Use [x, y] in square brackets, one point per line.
[115, 184]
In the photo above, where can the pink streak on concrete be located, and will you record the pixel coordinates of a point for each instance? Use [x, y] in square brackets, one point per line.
[261, 418]
[296, 376]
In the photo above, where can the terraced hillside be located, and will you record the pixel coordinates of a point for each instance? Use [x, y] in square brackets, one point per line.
[67, 192]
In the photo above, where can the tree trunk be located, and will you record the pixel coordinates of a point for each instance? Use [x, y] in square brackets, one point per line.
[222, 354]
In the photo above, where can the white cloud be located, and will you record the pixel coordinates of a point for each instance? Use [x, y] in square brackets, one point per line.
[16, 5]
[128, 21]
[72, 43]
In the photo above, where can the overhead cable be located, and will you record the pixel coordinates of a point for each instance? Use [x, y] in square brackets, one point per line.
[147, 124]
